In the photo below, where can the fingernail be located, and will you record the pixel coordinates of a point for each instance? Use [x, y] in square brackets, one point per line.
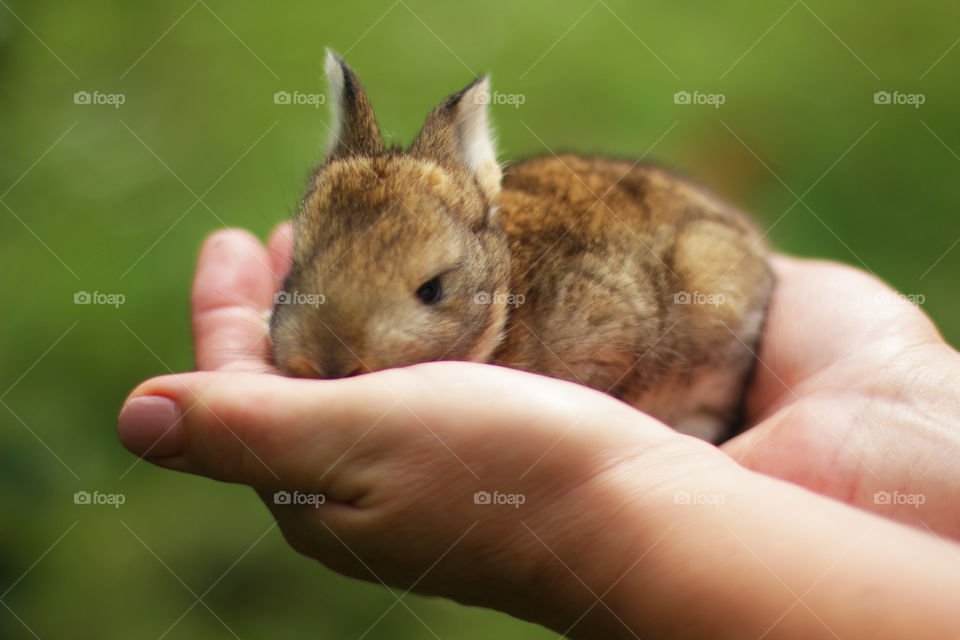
[151, 426]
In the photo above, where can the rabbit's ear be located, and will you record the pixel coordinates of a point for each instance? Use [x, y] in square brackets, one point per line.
[354, 126]
[457, 133]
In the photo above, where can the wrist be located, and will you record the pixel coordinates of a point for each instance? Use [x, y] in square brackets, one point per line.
[720, 551]
[913, 419]
[607, 535]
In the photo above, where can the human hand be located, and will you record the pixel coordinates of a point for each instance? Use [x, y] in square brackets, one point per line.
[855, 395]
[400, 454]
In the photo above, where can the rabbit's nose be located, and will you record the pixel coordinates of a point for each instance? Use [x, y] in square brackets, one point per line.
[341, 363]
[301, 367]
[347, 370]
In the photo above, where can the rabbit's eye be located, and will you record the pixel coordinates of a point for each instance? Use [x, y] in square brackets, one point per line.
[430, 292]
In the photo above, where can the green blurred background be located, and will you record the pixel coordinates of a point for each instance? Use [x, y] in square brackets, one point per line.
[118, 200]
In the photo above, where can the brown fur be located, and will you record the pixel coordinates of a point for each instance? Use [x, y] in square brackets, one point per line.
[571, 269]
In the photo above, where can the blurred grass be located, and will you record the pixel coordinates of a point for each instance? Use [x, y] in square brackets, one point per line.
[97, 198]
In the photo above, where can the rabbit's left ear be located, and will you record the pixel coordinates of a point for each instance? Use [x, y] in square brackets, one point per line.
[457, 133]
[355, 130]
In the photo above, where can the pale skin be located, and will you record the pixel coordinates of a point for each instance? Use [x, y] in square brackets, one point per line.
[627, 528]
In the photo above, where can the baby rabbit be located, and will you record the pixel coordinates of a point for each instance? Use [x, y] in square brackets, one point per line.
[621, 276]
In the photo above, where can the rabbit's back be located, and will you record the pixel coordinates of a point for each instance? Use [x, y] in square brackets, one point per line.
[634, 281]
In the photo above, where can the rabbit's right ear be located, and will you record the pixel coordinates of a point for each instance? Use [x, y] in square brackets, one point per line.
[354, 127]
[457, 133]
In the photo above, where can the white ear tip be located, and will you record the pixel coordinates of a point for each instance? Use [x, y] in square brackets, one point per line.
[484, 88]
[332, 64]
[479, 93]
[334, 70]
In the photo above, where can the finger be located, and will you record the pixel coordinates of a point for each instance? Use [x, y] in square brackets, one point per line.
[839, 307]
[266, 431]
[280, 249]
[326, 435]
[824, 314]
[232, 295]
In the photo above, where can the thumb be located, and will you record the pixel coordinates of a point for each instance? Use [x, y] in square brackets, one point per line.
[264, 430]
